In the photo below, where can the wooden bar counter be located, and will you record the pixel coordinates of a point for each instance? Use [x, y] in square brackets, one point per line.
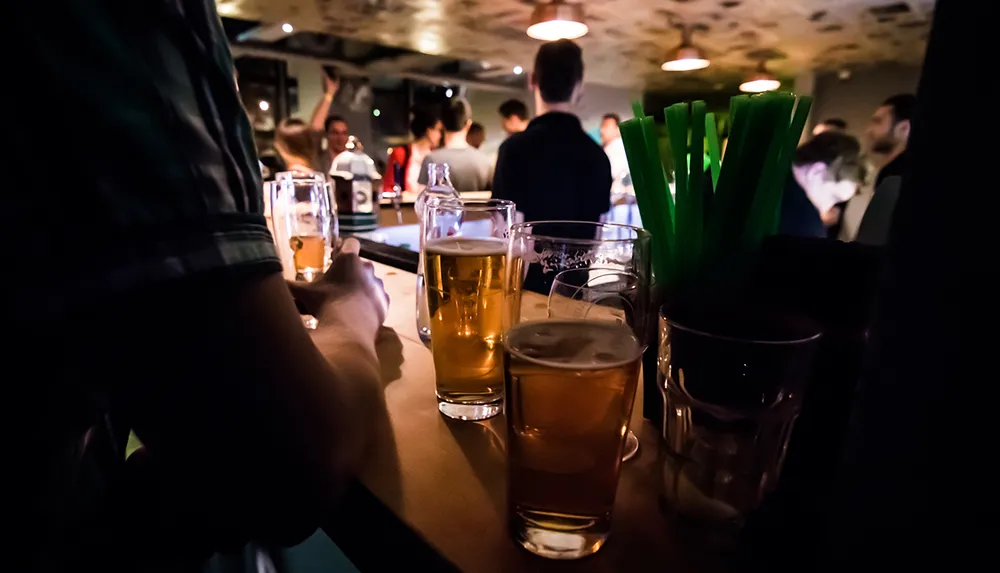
[431, 495]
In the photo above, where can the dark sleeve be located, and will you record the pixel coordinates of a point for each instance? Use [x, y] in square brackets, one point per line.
[502, 185]
[874, 227]
[600, 198]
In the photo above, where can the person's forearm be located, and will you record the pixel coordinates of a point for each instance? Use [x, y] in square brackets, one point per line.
[322, 110]
[346, 339]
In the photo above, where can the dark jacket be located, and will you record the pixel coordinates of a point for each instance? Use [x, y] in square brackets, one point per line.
[554, 170]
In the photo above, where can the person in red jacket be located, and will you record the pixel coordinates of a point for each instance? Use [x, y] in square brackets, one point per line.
[405, 160]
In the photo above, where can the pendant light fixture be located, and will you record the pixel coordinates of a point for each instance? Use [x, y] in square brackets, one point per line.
[557, 20]
[686, 57]
[760, 81]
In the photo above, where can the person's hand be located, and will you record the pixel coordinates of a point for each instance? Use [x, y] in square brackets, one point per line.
[330, 85]
[831, 217]
[348, 292]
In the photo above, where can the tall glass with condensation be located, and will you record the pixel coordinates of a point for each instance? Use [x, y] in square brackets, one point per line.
[465, 258]
[438, 188]
[577, 309]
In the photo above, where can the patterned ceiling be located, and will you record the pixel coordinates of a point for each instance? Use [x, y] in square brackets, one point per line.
[629, 39]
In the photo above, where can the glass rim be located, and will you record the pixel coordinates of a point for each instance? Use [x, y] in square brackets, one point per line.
[673, 323]
[282, 176]
[479, 205]
[640, 233]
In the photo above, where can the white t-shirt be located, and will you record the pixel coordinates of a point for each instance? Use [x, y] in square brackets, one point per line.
[620, 180]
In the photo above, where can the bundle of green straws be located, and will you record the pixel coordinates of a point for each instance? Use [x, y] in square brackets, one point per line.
[719, 216]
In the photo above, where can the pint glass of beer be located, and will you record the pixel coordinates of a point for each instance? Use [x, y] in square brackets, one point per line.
[465, 258]
[571, 377]
[303, 222]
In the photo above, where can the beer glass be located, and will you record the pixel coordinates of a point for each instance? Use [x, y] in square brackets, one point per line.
[586, 293]
[578, 306]
[465, 258]
[304, 223]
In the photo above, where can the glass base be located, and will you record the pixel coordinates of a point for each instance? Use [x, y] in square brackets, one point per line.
[309, 321]
[308, 274]
[469, 412]
[559, 536]
[631, 447]
[425, 335]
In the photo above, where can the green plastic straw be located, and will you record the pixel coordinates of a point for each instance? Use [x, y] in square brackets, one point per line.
[637, 109]
[729, 180]
[802, 107]
[696, 186]
[652, 218]
[706, 235]
[714, 154]
[677, 130]
[760, 214]
[656, 179]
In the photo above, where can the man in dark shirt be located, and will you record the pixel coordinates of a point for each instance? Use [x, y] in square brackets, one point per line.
[553, 169]
[888, 132]
[825, 171]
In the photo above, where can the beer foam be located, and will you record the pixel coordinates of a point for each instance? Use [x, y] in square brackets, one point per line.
[574, 344]
[467, 246]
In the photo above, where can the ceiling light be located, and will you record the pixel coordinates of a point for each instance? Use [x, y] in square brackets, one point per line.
[686, 57]
[263, 105]
[760, 81]
[518, 70]
[449, 92]
[287, 28]
[557, 20]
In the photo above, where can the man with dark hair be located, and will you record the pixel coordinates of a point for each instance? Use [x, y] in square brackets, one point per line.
[888, 134]
[609, 128]
[476, 135]
[831, 124]
[513, 116]
[826, 171]
[889, 131]
[470, 169]
[553, 169]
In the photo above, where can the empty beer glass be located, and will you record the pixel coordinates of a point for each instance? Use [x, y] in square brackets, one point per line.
[577, 306]
[732, 379]
[303, 222]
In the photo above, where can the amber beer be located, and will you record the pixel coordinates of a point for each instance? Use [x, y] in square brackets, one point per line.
[465, 278]
[570, 389]
[309, 253]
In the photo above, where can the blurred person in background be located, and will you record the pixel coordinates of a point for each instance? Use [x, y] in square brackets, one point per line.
[164, 310]
[611, 138]
[831, 124]
[826, 170]
[334, 127]
[553, 169]
[887, 134]
[832, 218]
[476, 135]
[426, 129]
[300, 150]
[298, 145]
[514, 116]
[470, 169]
